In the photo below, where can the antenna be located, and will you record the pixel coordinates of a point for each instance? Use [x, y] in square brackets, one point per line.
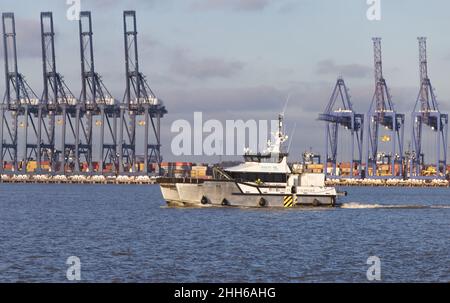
[291, 137]
[286, 103]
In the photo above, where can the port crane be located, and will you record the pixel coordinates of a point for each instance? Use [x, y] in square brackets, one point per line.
[139, 101]
[382, 115]
[340, 112]
[95, 101]
[427, 114]
[20, 107]
[59, 105]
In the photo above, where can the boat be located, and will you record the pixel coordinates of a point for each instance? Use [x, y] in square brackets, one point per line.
[263, 180]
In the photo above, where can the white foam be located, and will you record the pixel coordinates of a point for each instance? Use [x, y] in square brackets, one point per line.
[356, 205]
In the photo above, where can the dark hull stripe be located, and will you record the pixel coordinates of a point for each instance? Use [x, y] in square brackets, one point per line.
[282, 195]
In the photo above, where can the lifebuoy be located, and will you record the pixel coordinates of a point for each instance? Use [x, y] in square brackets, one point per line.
[262, 202]
[225, 202]
[204, 200]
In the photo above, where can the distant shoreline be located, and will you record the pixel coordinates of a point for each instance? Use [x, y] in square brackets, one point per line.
[101, 180]
[144, 180]
[387, 183]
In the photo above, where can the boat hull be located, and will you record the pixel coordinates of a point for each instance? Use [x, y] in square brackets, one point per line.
[231, 194]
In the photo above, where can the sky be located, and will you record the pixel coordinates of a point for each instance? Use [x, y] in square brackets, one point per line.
[240, 59]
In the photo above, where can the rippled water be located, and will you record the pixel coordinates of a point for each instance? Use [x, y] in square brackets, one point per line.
[125, 233]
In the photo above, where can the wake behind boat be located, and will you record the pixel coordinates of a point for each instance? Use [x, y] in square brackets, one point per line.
[263, 180]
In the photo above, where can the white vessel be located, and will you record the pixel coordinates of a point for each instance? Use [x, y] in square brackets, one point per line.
[263, 180]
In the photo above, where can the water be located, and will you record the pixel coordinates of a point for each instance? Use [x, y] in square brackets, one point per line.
[126, 234]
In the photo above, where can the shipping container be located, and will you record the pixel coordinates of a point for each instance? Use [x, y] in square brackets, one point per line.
[315, 166]
[31, 166]
[384, 167]
[347, 165]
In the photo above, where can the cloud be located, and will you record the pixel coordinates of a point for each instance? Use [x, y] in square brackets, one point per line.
[264, 102]
[28, 36]
[222, 100]
[306, 99]
[236, 5]
[346, 70]
[105, 4]
[289, 7]
[147, 43]
[446, 57]
[204, 68]
[259, 102]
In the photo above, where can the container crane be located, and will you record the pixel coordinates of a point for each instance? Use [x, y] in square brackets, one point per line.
[426, 113]
[339, 112]
[383, 116]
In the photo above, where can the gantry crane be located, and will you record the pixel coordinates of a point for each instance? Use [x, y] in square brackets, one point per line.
[426, 113]
[339, 112]
[59, 111]
[58, 103]
[19, 109]
[382, 115]
[95, 100]
[139, 101]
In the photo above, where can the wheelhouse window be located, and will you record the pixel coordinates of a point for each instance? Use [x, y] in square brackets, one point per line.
[264, 177]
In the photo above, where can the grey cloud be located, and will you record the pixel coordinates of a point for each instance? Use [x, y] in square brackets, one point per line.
[446, 57]
[307, 100]
[221, 100]
[237, 5]
[105, 3]
[114, 3]
[289, 7]
[28, 39]
[262, 102]
[146, 42]
[346, 70]
[186, 65]
[29, 52]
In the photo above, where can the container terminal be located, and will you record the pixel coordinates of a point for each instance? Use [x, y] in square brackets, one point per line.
[50, 137]
[56, 133]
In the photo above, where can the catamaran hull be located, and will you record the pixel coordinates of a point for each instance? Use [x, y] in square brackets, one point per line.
[232, 194]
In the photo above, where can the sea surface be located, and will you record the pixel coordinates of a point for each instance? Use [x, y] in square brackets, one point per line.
[125, 233]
